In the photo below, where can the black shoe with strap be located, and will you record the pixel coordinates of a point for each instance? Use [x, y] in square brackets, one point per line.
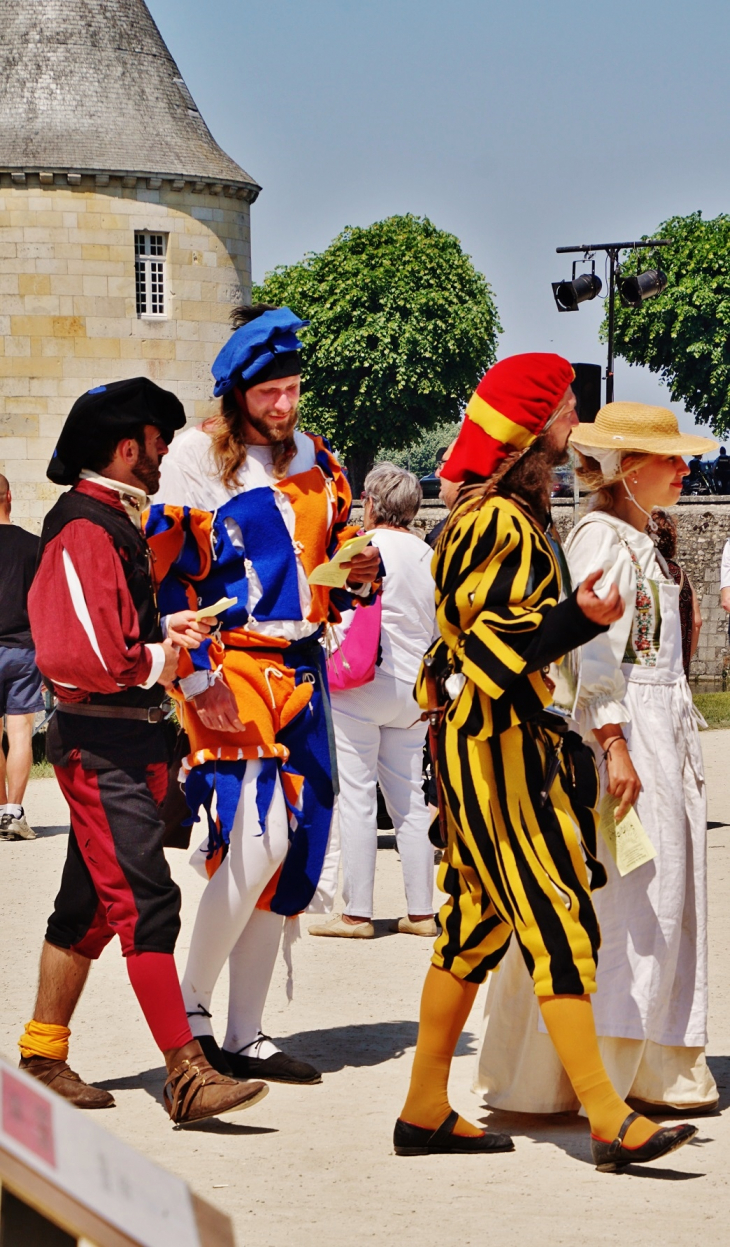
[279, 1067]
[610, 1157]
[213, 1054]
[411, 1140]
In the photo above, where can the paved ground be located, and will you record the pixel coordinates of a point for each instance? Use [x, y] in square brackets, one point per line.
[315, 1165]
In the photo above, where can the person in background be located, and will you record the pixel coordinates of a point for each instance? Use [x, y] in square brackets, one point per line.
[690, 617]
[20, 679]
[721, 472]
[378, 729]
[448, 493]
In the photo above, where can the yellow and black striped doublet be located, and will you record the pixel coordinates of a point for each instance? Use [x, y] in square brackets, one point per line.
[520, 796]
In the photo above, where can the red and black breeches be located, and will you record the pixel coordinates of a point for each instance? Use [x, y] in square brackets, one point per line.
[116, 880]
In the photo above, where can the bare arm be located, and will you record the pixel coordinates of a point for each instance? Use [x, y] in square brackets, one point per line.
[623, 782]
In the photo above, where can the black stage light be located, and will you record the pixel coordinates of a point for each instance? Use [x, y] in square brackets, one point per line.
[633, 290]
[568, 294]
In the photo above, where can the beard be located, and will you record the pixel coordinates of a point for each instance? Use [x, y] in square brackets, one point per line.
[533, 475]
[147, 472]
[282, 431]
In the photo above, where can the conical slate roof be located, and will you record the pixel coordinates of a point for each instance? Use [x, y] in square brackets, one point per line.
[89, 86]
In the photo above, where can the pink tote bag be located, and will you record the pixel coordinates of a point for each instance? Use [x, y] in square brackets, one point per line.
[353, 663]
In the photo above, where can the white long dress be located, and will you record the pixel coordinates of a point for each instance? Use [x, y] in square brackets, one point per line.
[651, 1001]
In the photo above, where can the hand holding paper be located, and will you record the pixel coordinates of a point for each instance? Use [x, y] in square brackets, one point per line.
[211, 612]
[333, 574]
[627, 841]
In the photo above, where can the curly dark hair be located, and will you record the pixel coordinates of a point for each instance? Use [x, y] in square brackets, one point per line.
[665, 533]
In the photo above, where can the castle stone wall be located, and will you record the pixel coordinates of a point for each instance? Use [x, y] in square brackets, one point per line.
[703, 528]
[68, 316]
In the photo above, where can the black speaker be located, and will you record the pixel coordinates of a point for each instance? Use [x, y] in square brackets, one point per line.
[587, 390]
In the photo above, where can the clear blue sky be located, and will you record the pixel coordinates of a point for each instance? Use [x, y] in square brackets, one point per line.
[519, 125]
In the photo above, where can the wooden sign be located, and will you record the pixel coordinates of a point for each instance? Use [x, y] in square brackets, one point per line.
[58, 1160]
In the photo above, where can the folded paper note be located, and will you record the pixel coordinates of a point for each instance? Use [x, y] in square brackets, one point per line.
[333, 574]
[211, 612]
[627, 841]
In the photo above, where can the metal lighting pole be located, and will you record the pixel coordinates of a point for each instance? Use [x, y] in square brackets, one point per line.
[612, 250]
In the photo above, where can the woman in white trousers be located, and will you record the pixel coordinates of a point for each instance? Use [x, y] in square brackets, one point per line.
[378, 731]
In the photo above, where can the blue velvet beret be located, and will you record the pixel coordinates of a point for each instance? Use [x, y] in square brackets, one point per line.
[254, 346]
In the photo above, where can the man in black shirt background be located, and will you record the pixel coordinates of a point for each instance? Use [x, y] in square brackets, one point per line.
[20, 679]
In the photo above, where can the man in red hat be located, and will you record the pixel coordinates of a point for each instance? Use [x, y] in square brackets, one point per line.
[520, 790]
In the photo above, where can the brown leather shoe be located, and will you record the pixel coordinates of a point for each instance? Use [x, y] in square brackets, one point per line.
[194, 1090]
[65, 1082]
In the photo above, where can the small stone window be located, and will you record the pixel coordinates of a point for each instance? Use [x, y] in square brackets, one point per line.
[149, 272]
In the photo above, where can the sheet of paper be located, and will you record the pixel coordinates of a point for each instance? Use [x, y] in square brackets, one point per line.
[627, 841]
[333, 574]
[211, 612]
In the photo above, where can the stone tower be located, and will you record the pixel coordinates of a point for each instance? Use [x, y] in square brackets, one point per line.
[124, 227]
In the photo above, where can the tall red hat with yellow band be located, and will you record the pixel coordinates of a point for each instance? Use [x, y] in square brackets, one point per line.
[509, 409]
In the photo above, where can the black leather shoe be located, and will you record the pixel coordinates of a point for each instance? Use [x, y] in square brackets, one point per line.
[411, 1140]
[213, 1054]
[275, 1068]
[610, 1157]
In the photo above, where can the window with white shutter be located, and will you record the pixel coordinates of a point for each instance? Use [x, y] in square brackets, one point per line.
[149, 271]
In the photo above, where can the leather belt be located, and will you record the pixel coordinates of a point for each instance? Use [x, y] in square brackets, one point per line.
[149, 714]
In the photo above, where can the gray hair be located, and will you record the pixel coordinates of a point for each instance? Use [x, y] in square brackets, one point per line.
[394, 493]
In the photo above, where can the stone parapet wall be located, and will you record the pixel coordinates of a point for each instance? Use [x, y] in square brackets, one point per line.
[68, 317]
[703, 527]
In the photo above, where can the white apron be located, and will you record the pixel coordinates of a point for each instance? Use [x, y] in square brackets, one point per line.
[651, 1001]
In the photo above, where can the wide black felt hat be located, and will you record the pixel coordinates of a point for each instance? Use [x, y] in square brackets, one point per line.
[107, 411]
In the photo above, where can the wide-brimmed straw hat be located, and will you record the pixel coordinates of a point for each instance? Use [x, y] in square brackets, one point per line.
[626, 427]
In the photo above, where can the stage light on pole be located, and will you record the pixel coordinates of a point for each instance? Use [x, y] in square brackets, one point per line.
[633, 290]
[568, 294]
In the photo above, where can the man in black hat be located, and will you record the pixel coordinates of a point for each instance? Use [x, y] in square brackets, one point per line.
[100, 644]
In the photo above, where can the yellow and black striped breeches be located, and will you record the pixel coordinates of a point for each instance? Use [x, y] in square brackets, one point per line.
[514, 864]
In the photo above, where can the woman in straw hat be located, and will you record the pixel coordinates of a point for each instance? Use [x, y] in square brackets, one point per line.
[634, 707]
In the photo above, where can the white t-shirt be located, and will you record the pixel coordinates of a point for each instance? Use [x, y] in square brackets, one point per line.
[409, 609]
[189, 478]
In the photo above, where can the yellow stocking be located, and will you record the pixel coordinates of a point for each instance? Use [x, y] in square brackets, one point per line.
[445, 1006]
[46, 1040]
[570, 1025]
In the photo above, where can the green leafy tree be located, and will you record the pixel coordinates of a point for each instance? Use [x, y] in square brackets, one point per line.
[420, 456]
[684, 333]
[403, 326]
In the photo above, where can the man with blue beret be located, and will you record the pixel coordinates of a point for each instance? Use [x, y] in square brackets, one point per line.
[248, 507]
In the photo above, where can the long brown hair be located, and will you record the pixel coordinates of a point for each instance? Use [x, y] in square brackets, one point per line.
[227, 438]
[226, 429]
